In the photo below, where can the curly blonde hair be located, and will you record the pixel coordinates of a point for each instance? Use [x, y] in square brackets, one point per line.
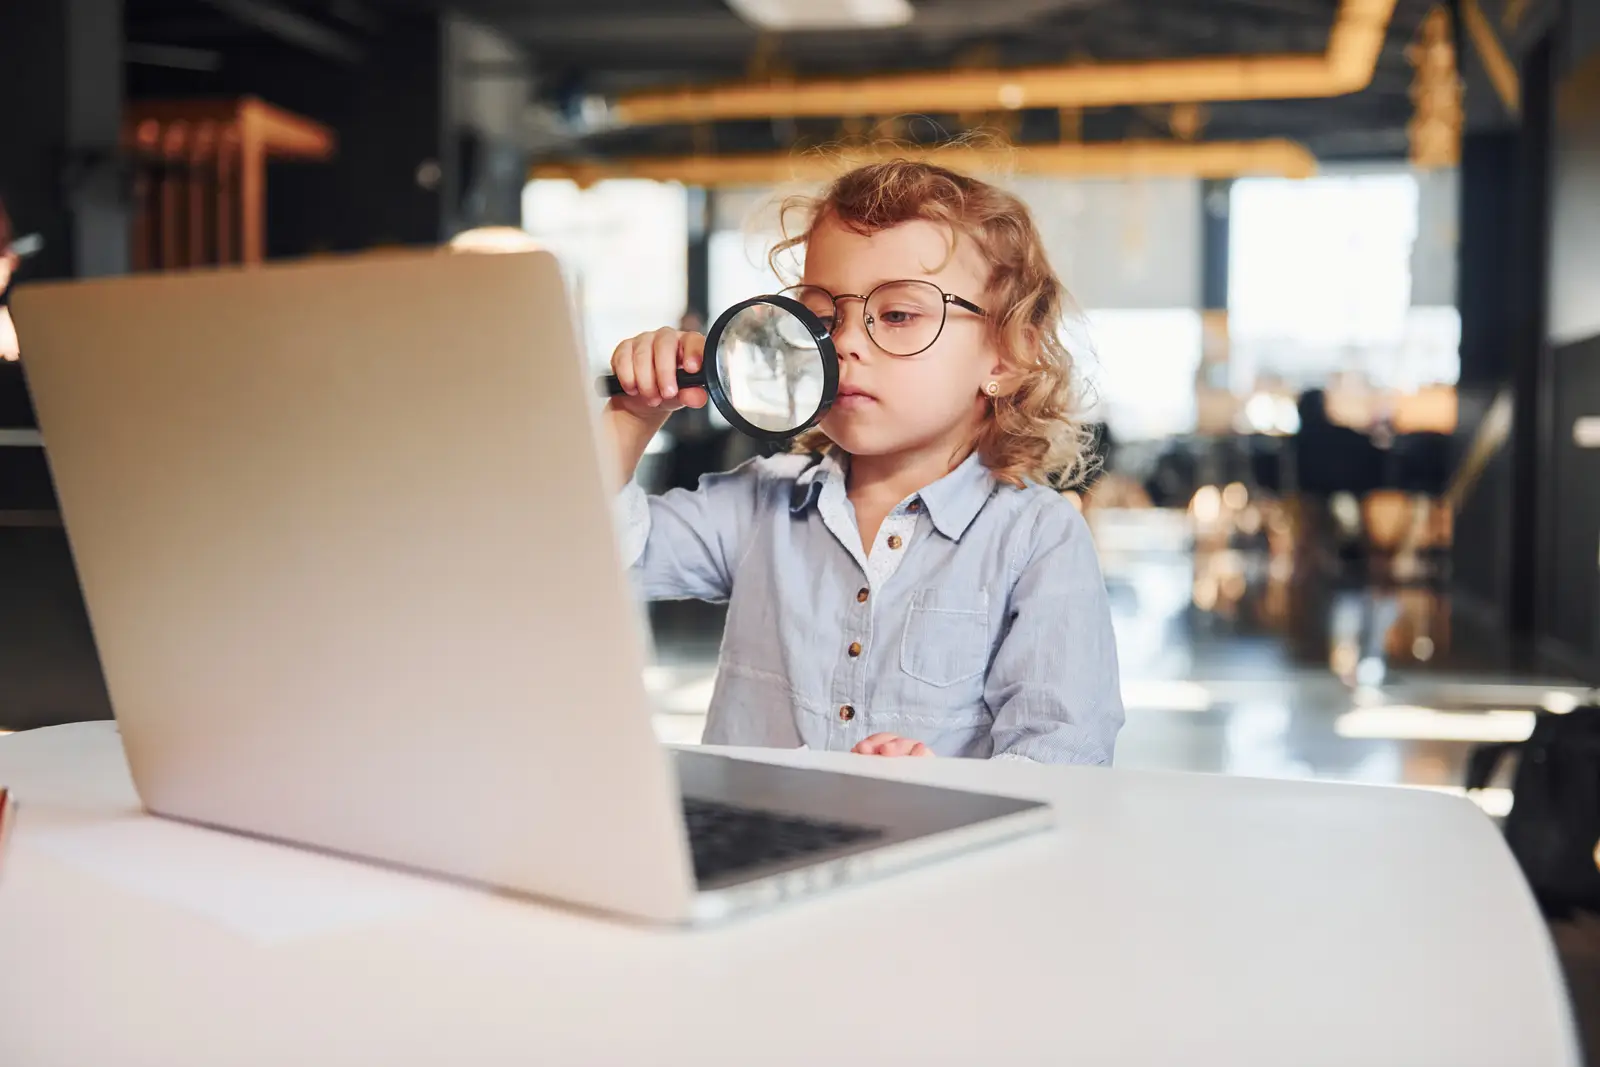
[1034, 432]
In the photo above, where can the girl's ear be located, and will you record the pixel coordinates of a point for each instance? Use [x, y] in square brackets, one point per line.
[1005, 371]
[997, 346]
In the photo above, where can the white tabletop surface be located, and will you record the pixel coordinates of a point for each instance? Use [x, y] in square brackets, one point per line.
[1171, 919]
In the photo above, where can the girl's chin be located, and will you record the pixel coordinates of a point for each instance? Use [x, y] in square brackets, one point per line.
[858, 440]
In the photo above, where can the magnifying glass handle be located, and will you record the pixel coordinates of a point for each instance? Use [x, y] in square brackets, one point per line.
[610, 386]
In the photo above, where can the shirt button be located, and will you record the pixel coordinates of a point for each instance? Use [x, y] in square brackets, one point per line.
[861, 597]
[894, 541]
[846, 713]
[914, 507]
[855, 649]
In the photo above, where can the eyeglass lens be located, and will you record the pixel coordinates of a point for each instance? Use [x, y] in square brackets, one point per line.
[902, 318]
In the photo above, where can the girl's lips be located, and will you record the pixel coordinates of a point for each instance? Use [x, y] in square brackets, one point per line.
[853, 398]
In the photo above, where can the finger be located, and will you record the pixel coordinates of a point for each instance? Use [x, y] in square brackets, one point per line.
[873, 745]
[694, 351]
[622, 367]
[694, 398]
[900, 746]
[666, 357]
[644, 369]
[920, 749]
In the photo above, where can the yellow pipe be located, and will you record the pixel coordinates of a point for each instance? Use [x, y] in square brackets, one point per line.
[1347, 66]
[1205, 159]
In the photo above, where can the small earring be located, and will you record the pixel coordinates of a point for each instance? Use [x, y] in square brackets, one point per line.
[993, 388]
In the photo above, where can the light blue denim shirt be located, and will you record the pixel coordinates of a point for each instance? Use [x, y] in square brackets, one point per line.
[978, 624]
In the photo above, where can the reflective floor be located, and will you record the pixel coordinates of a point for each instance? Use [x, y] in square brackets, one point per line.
[1241, 655]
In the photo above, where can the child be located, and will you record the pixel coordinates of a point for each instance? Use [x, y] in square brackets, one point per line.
[915, 590]
[8, 266]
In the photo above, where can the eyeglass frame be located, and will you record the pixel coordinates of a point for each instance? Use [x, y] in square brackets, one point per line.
[866, 320]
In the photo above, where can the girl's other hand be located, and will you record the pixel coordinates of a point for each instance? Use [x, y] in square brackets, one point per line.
[891, 745]
[647, 366]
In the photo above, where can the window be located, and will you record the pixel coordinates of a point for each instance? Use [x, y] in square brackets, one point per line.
[623, 245]
[1141, 365]
[1320, 283]
[738, 267]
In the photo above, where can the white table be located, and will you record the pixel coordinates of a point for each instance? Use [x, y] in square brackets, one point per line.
[1172, 919]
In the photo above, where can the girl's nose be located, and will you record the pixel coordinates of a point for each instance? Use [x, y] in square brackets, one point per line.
[850, 337]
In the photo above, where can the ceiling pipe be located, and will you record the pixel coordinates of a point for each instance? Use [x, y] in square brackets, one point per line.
[1114, 159]
[1357, 38]
[291, 27]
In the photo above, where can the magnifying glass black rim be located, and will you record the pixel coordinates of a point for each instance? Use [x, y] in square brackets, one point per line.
[819, 334]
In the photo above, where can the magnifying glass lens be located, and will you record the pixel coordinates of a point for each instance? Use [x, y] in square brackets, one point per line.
[771, 367]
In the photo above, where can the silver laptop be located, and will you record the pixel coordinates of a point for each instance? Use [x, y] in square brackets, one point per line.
[348, 554]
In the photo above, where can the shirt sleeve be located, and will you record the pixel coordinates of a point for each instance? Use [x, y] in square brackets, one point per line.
[1054, 686]
[685, 544]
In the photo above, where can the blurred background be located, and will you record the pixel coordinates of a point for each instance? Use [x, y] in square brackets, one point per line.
[1338, 263]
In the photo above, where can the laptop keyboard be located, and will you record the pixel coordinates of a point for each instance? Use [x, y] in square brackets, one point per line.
[725, 839]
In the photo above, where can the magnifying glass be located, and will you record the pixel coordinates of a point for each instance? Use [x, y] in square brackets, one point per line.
[770, 368]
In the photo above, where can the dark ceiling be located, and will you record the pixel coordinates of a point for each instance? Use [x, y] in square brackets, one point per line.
[584, 48]
[627, 43]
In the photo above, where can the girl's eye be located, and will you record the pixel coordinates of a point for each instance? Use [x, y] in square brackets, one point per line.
[898, 318]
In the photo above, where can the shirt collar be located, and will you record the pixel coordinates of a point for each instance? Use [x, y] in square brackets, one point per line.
[955, 500]
[952, 502]
[808, 486]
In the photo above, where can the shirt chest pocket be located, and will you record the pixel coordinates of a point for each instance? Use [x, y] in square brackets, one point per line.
[946, 640]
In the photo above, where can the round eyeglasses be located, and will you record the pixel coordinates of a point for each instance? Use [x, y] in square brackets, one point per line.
[903, 318]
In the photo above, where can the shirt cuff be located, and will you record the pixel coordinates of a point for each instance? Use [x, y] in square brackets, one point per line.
[1061, 744]
[630, 511]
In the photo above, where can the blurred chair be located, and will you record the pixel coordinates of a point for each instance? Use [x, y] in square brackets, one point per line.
[1420, 463]
[1174, 477]
[1420, 467]
[200, 177]
[1330, 458]
[1267, 459]
[1329, 461]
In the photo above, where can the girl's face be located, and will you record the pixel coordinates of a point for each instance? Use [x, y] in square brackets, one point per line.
[890, 404]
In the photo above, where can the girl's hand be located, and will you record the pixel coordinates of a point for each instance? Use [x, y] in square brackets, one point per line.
[9, 352]
[891, 745]
[647, 366]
